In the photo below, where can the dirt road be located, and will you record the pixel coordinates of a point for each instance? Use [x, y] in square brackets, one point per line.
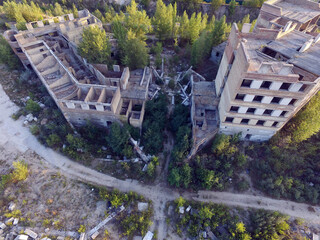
[15, 137]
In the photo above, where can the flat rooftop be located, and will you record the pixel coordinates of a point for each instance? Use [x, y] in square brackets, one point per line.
[287, 46]
[297, 10]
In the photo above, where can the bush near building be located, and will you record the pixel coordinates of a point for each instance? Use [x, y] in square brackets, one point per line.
[227, 223]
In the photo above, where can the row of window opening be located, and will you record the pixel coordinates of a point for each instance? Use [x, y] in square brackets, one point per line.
[245, 121]
[267, 112]
[258, 98]
[267, 84]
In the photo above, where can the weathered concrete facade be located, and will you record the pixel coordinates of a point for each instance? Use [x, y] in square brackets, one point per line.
[267, 76]
[81, 90]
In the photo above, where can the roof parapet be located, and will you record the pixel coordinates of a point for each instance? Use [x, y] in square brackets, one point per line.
[246, 28]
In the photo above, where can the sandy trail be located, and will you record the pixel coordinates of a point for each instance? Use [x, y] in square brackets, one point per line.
[15, 137]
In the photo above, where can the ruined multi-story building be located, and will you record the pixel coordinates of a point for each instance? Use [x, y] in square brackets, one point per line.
[81, 90]
[266, 76]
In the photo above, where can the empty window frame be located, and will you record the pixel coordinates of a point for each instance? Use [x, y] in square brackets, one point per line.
[276, 100]
[251, 110]
[285, 86]
[234, 109]
[246, 83]
[257, 98]
[229, 119]
[266, 84]
[303, 88]
[283, 114]
[275, 124]
[260, 123]
[240, 97]
[293, 101]
[245, 121]
[267, 112]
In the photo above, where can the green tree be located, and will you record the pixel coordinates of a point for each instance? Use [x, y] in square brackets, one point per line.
[220, 143]
[136, 52]
[117, 138]
[162, 21]
[306, 123]
[241, 232]
[74, 10]
[232, 7]
[57, 10]
[186, 176]
[7, 56]
[174, 177]
[219, 31]
[137, 21]
[95, 45]
[98, 14]
[184, 26]
[53, 140]
[120, 33]
[216, 4]
[268, 225]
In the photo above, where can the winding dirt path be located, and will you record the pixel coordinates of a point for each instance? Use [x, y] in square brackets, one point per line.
[15, 137]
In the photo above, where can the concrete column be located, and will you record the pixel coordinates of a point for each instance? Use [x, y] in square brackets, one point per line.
[99, 108]
[259, 111]
[295, 87]
[248, 98]
[70, 105]
[85, 106]
[268, 123]
[242, 109]
[253, 122]
[285, 101]
[237, 120]
[256, 84]
[266, 99]
[276, 113]
[275, 86]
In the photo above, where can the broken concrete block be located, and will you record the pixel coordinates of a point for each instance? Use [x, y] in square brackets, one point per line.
[12, 206]
[9, 221]
[15, 221]
[95, 235]
[2, 225]
[142, 206]
[21, 237]
[60, 238]
[31, 233]
[181, 210]
[188, 209]
[83, 236]
[148, 236]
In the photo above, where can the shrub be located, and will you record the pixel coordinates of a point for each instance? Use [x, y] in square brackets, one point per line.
[53, 140]
[32, 107]
[242, 185]
[82, 229]
[20, 172]
[220, 143]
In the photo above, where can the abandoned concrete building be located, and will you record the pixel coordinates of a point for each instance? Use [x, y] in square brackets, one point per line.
[266, 76]
[81, 90]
